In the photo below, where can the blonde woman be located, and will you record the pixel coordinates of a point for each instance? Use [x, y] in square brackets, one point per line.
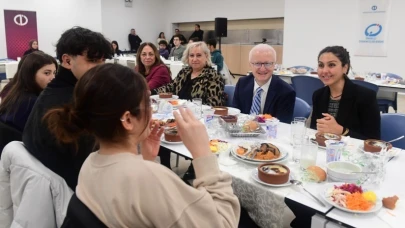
[198, 79]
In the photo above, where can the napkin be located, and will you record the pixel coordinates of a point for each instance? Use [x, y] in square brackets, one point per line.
[395, 217]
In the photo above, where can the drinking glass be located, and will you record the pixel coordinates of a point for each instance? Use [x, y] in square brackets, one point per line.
[297, 141]
[298, 127]
[198, 107]
[309, 153]
[375, 164]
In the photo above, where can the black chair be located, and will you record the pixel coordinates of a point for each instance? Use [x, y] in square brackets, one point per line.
[79, 216]
[8, 134]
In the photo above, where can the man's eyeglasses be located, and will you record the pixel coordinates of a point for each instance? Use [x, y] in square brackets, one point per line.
[266, 65]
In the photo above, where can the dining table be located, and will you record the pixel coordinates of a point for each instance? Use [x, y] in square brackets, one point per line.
[266, 204]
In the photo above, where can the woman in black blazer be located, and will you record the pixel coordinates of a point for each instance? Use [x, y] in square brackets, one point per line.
[342, 107]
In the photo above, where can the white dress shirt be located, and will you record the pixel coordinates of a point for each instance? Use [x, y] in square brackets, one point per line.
[263, 96]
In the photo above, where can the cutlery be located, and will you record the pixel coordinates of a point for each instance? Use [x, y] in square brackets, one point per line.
[299, 183]
[366, 172]
[394, 140]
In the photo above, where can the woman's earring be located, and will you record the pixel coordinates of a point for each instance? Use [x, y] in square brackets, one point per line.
[122, 120]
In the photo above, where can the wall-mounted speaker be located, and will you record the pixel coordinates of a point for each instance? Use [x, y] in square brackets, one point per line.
[221, 27]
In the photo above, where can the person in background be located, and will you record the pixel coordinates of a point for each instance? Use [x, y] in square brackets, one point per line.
[192, 40]
[163, 49]
[149, 64]
[33, 44]
[37, 70]
[216, 55]
[197, 80]
[261, 92]
[120, 175]
[116, 48]
[134, 41]
[342, 107]
[183, 39]
[178, 49]
[197, 33]
[161, 37]
[78, 50]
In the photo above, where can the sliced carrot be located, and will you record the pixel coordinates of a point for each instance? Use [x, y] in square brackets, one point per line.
[356, 201]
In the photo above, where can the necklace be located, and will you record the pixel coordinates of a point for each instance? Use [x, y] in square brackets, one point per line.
[335, 97]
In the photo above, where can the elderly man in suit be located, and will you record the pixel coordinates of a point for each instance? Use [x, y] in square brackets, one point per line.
[261, 92]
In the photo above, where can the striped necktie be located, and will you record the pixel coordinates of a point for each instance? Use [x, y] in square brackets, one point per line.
[257, 100]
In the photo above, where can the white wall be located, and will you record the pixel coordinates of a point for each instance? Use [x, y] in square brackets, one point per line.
[146, 17]
[53, 18]
[207, 10]
[311, 25]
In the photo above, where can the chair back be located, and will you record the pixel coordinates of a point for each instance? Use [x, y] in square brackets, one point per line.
[309, 69]
[8, 134]
[79, 216]
[366, 84]
[226, 74]
[305, 86]
[229, 90]
[392, 127]
[395, 76]
[25, 181]
[301, 108]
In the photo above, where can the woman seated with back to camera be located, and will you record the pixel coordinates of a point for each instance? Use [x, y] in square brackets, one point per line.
[198, 79]
[342, 107]
[124, 187]
[150, 65]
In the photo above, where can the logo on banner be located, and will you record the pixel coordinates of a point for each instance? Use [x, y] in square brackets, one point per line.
[371, 34]
[374, 7]
[373, 30]
[20, 20]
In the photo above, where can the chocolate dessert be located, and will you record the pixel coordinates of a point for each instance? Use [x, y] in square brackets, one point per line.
[273, 173]
[165, 95]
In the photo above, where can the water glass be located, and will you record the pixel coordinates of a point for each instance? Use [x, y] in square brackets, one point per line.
[375, 163]
[297, 141]
[309, 153]
[198, 108]
[298, 127]
[334, 150]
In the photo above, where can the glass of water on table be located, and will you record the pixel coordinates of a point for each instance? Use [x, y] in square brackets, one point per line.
[198, 107]
[309, 154]
[298, 127]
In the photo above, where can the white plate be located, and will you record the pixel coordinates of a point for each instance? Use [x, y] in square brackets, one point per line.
[324, 195]
[167, 142]
[283, 155]
[156, 97]
[255, 177]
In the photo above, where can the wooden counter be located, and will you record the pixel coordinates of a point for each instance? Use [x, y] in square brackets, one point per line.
[236, 56]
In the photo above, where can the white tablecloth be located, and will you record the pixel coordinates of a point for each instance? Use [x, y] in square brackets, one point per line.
[265, 204]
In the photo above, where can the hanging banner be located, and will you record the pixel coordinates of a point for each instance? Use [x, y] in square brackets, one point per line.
[21, 27]
[373, 28]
